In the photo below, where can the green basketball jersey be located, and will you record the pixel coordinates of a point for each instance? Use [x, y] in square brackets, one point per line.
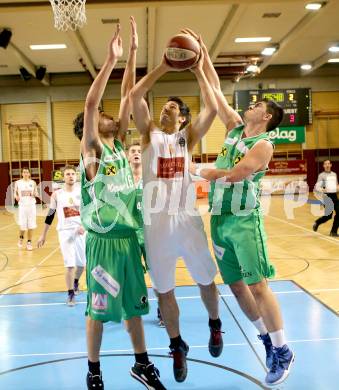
[109, 200]
[241, 197]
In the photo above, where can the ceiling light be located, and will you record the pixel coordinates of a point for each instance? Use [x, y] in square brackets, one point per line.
[313, 6]
[252, 68]
[333, 60]
[253, 39]
[48, 47]
[268, 51]
[334, 49]
[306, 66]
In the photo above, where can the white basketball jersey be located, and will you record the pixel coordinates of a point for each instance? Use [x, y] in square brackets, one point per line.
[167, 182]
[26, 190]
[68, 208]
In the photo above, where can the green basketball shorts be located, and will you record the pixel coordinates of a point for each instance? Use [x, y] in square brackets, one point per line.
[115, 278]
[239, 244]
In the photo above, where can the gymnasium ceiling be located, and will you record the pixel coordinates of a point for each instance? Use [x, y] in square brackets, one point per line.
[302, 36]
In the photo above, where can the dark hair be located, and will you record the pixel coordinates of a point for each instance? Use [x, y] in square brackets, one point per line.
[135, 143]
[67, 167]
[327, 160]
[183, 108]
[78, 125]
[277, 113]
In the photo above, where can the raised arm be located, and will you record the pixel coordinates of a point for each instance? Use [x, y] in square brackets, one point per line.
[90, 141]
[128, 81]
[226, 113]
[255, 160]
[140, 109]
[205, 118]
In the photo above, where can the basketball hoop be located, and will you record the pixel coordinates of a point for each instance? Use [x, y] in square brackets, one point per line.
[68, 14]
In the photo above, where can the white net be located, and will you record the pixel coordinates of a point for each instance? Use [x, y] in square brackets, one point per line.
[68, 14]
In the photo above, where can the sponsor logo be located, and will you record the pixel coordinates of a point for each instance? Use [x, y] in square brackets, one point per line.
[290, 135]
[169, 168]
[99, 301]
[26, 193]
[111, 170]
[72, 211]
[143, 303]
[223, 152]
[238, 159]
[244, 273]
[106, 280]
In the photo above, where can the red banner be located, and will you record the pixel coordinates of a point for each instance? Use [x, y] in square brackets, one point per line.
[287, 167]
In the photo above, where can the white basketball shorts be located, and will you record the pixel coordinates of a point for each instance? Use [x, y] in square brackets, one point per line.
[72, 246]
[171, 236]
[27, 217]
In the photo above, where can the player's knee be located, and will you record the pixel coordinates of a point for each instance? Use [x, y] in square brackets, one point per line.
[132, 324]
[167, 296]
[238, 288]
[258, 289]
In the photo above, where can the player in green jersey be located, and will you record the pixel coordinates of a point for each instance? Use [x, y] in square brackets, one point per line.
[115, 279]
[237, 228]
[134, 159]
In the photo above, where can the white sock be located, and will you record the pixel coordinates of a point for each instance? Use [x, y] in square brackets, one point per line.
[261, 327]
[278, 338]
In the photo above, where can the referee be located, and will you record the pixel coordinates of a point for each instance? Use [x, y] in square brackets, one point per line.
[327, 184]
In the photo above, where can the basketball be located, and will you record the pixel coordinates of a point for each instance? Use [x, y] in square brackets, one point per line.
[182, 51]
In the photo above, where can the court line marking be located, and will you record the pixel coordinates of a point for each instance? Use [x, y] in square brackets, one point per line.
[316, 234]
[163, 348]
[154, 299]
[30, 271]
[6, 226]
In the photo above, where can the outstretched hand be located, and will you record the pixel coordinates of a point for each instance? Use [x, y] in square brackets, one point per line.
[134, 34]
[115, 46]
[41, 241]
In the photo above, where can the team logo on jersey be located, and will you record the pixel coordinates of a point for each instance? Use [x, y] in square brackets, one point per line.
[143, 303]
[223, 152]
[99, 301]
[182, 141]
[70, 201]
[111, 170]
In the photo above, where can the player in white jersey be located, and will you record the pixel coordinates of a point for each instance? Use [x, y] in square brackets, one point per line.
[65, 202]
[26, 191]
[134, 159]
[173, 228]
[327, 187]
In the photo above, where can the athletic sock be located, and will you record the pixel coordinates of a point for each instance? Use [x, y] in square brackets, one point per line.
[278, 338]
[214, 324]
[76, 282]
[70, 292]
[176, 342]
[94, 367]
[260, 325]
[141, 358]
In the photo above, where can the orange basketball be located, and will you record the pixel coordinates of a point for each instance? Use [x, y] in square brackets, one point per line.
[182, 52]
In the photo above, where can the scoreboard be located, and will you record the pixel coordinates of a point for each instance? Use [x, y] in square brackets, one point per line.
[296, 103]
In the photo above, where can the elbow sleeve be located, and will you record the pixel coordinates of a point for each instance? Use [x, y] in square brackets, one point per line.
[50, 216]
